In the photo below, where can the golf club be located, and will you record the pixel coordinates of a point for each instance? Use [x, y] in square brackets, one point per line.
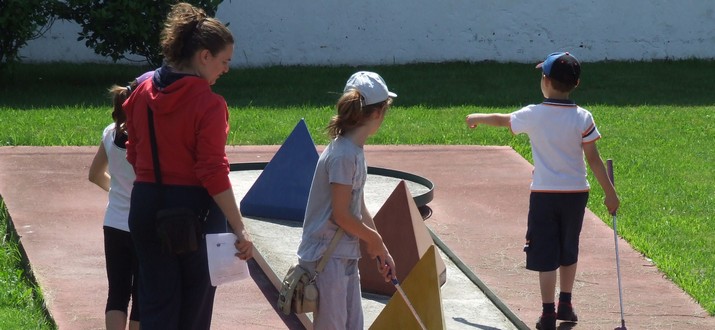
[396, 283]
[609, 165]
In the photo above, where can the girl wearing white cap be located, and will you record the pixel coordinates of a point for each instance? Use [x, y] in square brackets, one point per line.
[336, 200]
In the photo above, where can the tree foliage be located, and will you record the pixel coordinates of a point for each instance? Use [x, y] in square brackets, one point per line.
[21, 21]
[125, 29]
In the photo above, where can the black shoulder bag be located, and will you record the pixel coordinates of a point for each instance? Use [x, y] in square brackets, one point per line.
[179, 228]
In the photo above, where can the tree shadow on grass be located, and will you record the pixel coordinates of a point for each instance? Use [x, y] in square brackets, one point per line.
[432, 85]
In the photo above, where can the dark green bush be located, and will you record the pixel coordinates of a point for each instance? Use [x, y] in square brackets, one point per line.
[122, 28]
[21, 21]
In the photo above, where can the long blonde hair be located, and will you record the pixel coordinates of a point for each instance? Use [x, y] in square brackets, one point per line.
[351, 113]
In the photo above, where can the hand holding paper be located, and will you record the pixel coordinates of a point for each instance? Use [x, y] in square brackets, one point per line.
[224, 266]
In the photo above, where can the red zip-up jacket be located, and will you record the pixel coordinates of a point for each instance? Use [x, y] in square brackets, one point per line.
[191, 124]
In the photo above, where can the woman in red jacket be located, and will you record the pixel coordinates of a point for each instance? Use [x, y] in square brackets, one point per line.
[190, 126]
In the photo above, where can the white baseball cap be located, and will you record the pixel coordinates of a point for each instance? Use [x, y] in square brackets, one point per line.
[370, 85]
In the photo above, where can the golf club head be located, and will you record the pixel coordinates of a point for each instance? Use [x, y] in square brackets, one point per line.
[623, 322]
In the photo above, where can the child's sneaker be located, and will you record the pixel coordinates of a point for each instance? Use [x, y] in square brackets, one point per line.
[547, 321]
[566, 313]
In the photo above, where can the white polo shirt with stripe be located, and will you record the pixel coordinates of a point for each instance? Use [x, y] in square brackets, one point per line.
[557, 130]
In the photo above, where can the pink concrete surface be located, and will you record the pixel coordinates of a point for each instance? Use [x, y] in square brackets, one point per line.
[479, 210]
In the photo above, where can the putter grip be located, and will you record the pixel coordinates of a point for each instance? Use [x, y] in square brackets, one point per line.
[609, 168]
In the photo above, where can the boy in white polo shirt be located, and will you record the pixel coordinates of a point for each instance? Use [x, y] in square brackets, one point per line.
[561, 133]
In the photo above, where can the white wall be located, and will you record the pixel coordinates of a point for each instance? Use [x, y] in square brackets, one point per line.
[332, 32]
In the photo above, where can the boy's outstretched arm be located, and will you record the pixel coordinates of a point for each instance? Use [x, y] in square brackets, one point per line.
[599, 171]
[492, 119]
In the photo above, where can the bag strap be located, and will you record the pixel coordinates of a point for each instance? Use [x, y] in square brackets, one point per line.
[155, 156]
[154, 147]
[333, 243]
[155, 159]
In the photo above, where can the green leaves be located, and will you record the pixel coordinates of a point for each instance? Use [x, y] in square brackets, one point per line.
[20, 21]
[124, 29]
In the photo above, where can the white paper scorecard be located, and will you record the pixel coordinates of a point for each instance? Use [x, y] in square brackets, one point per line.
[224, 266]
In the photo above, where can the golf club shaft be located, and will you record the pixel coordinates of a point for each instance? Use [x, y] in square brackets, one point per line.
[618, 267]
[609, 167]
[402, 293]
[408, 303]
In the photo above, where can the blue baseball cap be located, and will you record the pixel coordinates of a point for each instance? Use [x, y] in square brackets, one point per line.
[562, 67]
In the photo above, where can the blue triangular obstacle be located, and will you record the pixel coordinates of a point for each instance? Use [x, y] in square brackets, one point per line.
[281, 191]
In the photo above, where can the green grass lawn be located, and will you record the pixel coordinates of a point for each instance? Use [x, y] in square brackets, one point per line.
[656, 120]
[20, 298]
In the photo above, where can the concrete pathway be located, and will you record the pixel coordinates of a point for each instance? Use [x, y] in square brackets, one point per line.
[479, 212]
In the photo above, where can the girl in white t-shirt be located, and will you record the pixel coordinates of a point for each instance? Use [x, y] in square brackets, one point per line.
[111, 172]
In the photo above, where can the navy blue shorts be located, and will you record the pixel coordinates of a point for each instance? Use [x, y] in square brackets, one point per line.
[554, 227]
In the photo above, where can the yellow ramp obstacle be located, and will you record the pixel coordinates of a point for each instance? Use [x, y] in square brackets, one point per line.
[423, 290]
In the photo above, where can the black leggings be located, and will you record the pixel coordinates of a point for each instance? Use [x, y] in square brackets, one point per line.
[122, 271]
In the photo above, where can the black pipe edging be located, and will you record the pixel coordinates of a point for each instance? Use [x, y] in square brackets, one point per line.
[420, 200]
[247, 166]
[473, 277]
